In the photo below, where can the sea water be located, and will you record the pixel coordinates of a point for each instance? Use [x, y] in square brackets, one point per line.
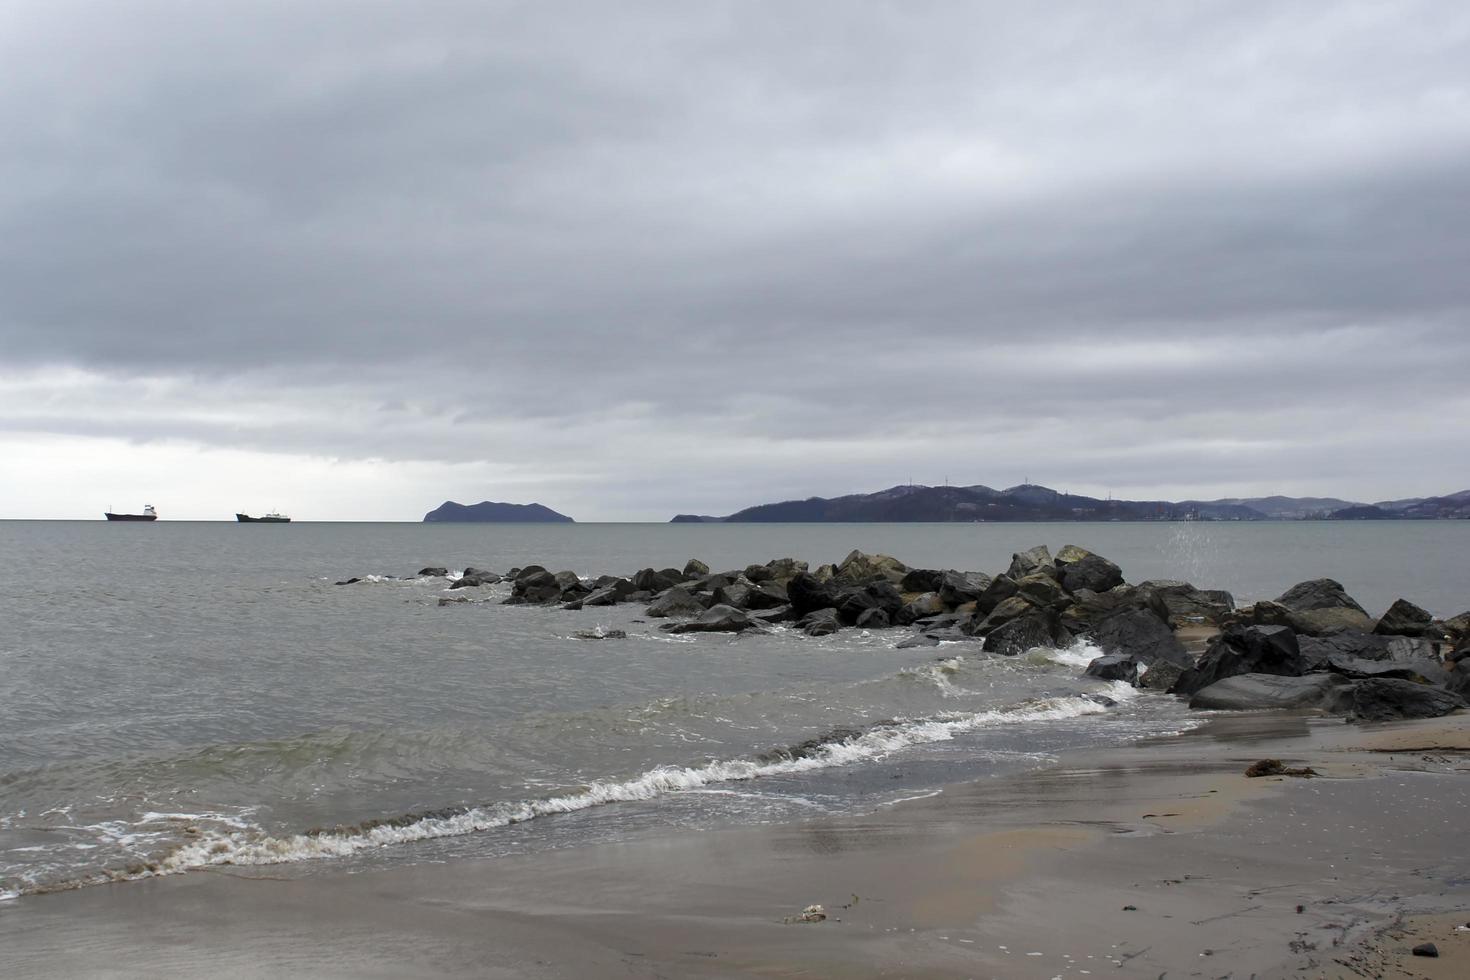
[181, 695]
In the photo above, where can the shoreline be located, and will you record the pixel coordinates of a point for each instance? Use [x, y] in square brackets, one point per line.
[1027, 875]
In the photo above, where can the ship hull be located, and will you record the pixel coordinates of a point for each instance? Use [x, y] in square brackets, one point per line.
[131, 517]
[247, 519]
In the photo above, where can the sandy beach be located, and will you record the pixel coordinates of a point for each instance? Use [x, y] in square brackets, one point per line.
[1154, 859]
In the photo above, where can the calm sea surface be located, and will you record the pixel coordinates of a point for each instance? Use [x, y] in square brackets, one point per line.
[178, 694]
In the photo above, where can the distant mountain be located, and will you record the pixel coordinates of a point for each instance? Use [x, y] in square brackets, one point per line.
[1452, 506]
[489, 512]
[1030, 502]
[1292, 508]
[1027, 502]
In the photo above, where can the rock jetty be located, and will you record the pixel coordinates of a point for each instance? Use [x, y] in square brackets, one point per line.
[1313, 647]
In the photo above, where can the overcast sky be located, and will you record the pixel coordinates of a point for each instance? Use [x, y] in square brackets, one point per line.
[352, 259]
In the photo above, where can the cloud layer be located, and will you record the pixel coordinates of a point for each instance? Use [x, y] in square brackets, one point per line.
[638, 258]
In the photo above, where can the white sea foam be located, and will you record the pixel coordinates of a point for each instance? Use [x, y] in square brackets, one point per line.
[1079, 654]
[243, 848]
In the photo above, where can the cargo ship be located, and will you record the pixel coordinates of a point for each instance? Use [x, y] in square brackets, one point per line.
[149, 514]
[267, 519]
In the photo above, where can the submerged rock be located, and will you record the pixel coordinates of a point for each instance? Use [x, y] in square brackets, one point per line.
[716, 619]
[1114, 667]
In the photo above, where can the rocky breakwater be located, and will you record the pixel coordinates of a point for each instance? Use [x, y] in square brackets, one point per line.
[1313, 647]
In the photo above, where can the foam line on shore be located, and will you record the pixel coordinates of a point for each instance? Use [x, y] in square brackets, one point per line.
[878, 741]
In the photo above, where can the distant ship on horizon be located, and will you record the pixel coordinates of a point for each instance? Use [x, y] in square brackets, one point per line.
[149, 514]
[271, 518]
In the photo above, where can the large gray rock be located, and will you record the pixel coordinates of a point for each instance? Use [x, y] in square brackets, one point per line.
[654, 580]
[922, 580]
[1316, 650]
[1254, 692]
[860, 568]
[1007, 610]
[783, 570]
[922, 607]
[957, 588]
[1405, 619]
[1385, 699]
[1037, 628]
[1041, 590]
[1420, 672]
[1092, 572]
[1244, 650]
[694, 568]
[1188, 606]
[675, 603]
[1140, 634]
[1321, 593]
[1089, 608]
[716, 619]
[1037, 559]
[819, 622]
[873, 619]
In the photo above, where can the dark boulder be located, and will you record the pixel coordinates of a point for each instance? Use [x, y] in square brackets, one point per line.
[873, 619]
[694, 568]
[1256, 692]
[652, 580]
[536, 586]
[1140, 634]
[1387, 699]
[957, 588]
[1420, 672]
[1321, 593]
[433, 571]
[757, 573]
[1092, 572]
[1187, 605]
[780, 614]
[1036, 628]
[1405, 619]
[807, 593]
[1089, 608]
[885, 596]
[1326, 622]
[1316, 650]
[745, 594]
[1001, 588]
[1007, 610]
[852, 603]
[1042, 590]
[675, 603]
[1069, 555]
[819, 622]
[716, 619]
[922, 580]
[1114, 667]
[1244, 650]
[1459, 682]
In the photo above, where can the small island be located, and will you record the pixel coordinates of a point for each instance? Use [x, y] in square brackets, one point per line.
[492, 512]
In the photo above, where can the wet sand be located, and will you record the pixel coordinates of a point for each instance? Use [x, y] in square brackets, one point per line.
[1155, 859]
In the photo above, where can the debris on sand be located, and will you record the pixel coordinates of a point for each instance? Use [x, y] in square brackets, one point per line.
[1274, 767]
[812, 913]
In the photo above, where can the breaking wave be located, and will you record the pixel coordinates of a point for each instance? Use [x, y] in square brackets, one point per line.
[840, 747]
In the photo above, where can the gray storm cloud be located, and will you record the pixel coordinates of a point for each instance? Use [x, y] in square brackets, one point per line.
[657, 257]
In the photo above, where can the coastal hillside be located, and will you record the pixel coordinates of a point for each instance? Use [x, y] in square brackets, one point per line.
[1030, 502]
[491, 512]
